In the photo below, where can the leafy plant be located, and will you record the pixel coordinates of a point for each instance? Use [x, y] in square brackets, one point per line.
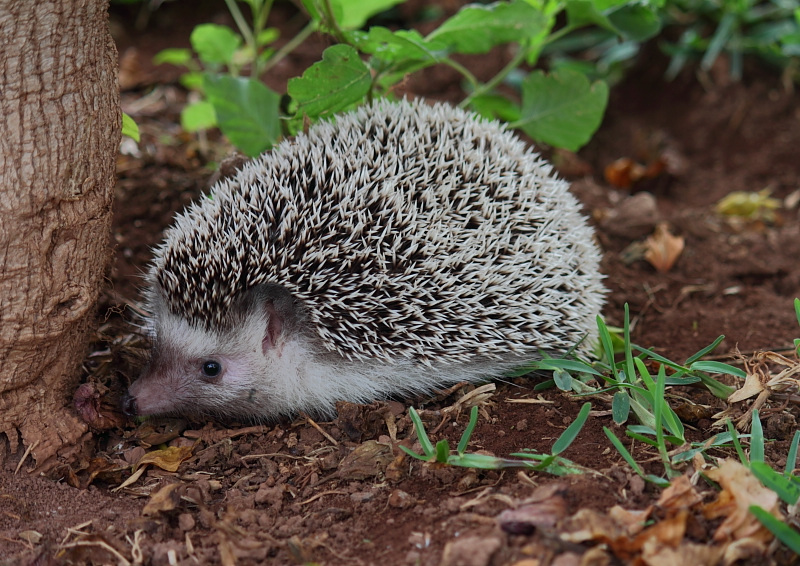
[563, 107]
[770, 30]
[551, 463]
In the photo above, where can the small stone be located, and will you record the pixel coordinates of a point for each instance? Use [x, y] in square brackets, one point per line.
[186, 522]
[399, 499]
[470, 551]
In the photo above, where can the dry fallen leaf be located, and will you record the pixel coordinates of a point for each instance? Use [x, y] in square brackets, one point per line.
[680, 494]
[625, 172]
[168, 459]
[749, 205]
[368, 460]
[740, 490]
[165, 499]
[663, 248]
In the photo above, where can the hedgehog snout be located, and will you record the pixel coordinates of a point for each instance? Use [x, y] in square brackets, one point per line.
[129, 405]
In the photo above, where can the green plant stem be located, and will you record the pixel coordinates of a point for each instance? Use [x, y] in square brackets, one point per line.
[261, 16]
[515, 62]
[497, 79]
[336, 31]
[290, 45]
[241, 23]
[462, 70]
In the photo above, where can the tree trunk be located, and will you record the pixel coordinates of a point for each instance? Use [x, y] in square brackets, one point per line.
[59, 133]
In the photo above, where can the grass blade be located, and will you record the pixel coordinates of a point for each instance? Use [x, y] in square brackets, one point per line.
[424, 441]
[707, 350]
[786, 534]
[787, 488]
[473, 420]
[757, 440]
[791, 458]
[571, 432]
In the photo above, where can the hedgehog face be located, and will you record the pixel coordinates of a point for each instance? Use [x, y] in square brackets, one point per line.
[196, 371]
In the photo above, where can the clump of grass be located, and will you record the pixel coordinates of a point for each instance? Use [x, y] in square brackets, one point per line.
[636, 391]
[786, 485]
[551, 463]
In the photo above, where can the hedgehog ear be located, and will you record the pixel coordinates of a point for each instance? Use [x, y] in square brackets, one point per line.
[272, 332]
[279, 306]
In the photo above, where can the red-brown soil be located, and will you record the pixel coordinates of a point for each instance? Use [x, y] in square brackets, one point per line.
[286, 493]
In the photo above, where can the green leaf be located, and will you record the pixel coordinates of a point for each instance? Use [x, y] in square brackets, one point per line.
[130, 128]
[173, 56]
[787, 487]
[198, 116]
[756, 439]
[562, 379]
[413, 454]
[791, 458]
[562, 109]
[442, 451]
[267, 36]
[708, 349]
[718, 367]
[571, 432]
[797, 309]
[422, 436]
[495, 106]
[477, 28]
[636, 22]
[355, 13]
[620, 407]
[215, 44]
[473, 420]
[193, 80]
[736, 444]
[398, 46]
[247, 111]
[349, 14]
[631, 21]
[330, 85]
[786, 534]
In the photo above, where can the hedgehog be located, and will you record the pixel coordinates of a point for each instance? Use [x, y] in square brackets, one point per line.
[401, 248]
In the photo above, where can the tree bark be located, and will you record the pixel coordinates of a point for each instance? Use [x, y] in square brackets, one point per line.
[59, 134]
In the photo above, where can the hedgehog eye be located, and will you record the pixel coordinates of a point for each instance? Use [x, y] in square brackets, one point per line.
[211, 368]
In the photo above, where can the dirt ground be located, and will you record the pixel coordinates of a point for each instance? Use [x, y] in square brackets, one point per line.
[341, 492]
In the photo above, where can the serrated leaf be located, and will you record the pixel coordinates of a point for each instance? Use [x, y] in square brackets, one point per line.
[330, 85]
[562, 109]
[130, 128]
[349, 14]
[198, 116]
[215, 44]
[247, 111]
[476, 28]
[398, 46]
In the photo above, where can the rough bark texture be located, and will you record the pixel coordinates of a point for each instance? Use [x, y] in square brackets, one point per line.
[59, 132]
